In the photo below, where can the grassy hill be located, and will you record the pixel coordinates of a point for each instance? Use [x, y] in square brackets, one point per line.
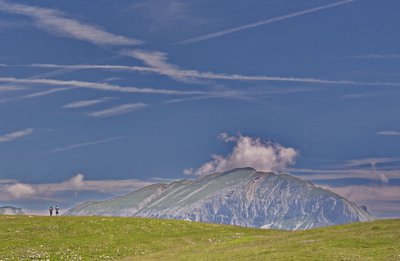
[111, 238]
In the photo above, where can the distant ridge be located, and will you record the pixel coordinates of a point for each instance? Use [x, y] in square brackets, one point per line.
[8, 210]
[243, 197]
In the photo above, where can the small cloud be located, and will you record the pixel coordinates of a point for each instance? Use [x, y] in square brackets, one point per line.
[121, 109]
[20, 190]
[159, 62]
[75, 183]
[112, 79]
[11, 88]
[380, 175]
[85, 103]
[7, 181]
[389, 133]
[15, 135]
[226, 138]
[248, 152]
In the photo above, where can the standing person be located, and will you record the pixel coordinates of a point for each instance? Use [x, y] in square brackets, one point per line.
[51, 211]
[57, 211]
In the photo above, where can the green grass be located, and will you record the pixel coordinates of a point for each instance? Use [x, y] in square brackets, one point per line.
[111, 238]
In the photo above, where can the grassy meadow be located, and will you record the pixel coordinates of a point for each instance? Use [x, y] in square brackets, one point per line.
[112, 238]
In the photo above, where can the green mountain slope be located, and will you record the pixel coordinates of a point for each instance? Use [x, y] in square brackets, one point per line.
[115, 238]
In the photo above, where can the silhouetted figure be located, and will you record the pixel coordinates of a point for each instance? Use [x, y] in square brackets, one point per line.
[51, 211]
[57, 211]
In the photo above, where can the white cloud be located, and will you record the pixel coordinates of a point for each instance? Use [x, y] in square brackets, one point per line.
[85, 144]
[264, 22]
[11, 189]
[7, 181]
[380, 175]
[378, 170]
[369, 161]
[75, 183]
[248, 152]
[86, 103]
[58, 23]
[361, 194]
[380, 200]
[20, 190]
[380, 196]
[158, 61]
[225, 137]
[152, 58]
[15, 135]
[121, 109]
[335, 174]
[389, 133]
[11, 88]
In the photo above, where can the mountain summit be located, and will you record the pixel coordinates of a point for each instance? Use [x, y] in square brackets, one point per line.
[242, 197]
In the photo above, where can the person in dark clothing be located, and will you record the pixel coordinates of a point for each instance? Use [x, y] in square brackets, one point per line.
[51, 211]
[57, 211]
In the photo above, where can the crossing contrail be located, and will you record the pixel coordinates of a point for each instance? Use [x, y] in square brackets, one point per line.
[263, 22]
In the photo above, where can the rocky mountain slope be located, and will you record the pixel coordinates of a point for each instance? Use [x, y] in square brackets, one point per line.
[242, 197]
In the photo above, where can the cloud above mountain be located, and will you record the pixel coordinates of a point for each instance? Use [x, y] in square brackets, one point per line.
[20, 190]
[12, 189]
[248, 152]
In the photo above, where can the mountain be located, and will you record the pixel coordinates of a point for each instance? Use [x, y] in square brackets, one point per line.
[7, 210]
[242, 197]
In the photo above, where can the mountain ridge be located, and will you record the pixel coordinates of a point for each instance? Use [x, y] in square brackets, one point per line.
[9, 210]
[242, 196]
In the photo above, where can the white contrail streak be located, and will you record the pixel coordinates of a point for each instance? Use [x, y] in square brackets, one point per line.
[15, 135]
[121, 109]
[263, 22]
[86, 103]
[99, 86]
[85, 144]
[213, 76]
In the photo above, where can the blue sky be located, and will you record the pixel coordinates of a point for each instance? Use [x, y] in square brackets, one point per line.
[97, 101]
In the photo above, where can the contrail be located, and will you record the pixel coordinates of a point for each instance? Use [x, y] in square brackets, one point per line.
[75, 146]
[199, 75]
[263, 22]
